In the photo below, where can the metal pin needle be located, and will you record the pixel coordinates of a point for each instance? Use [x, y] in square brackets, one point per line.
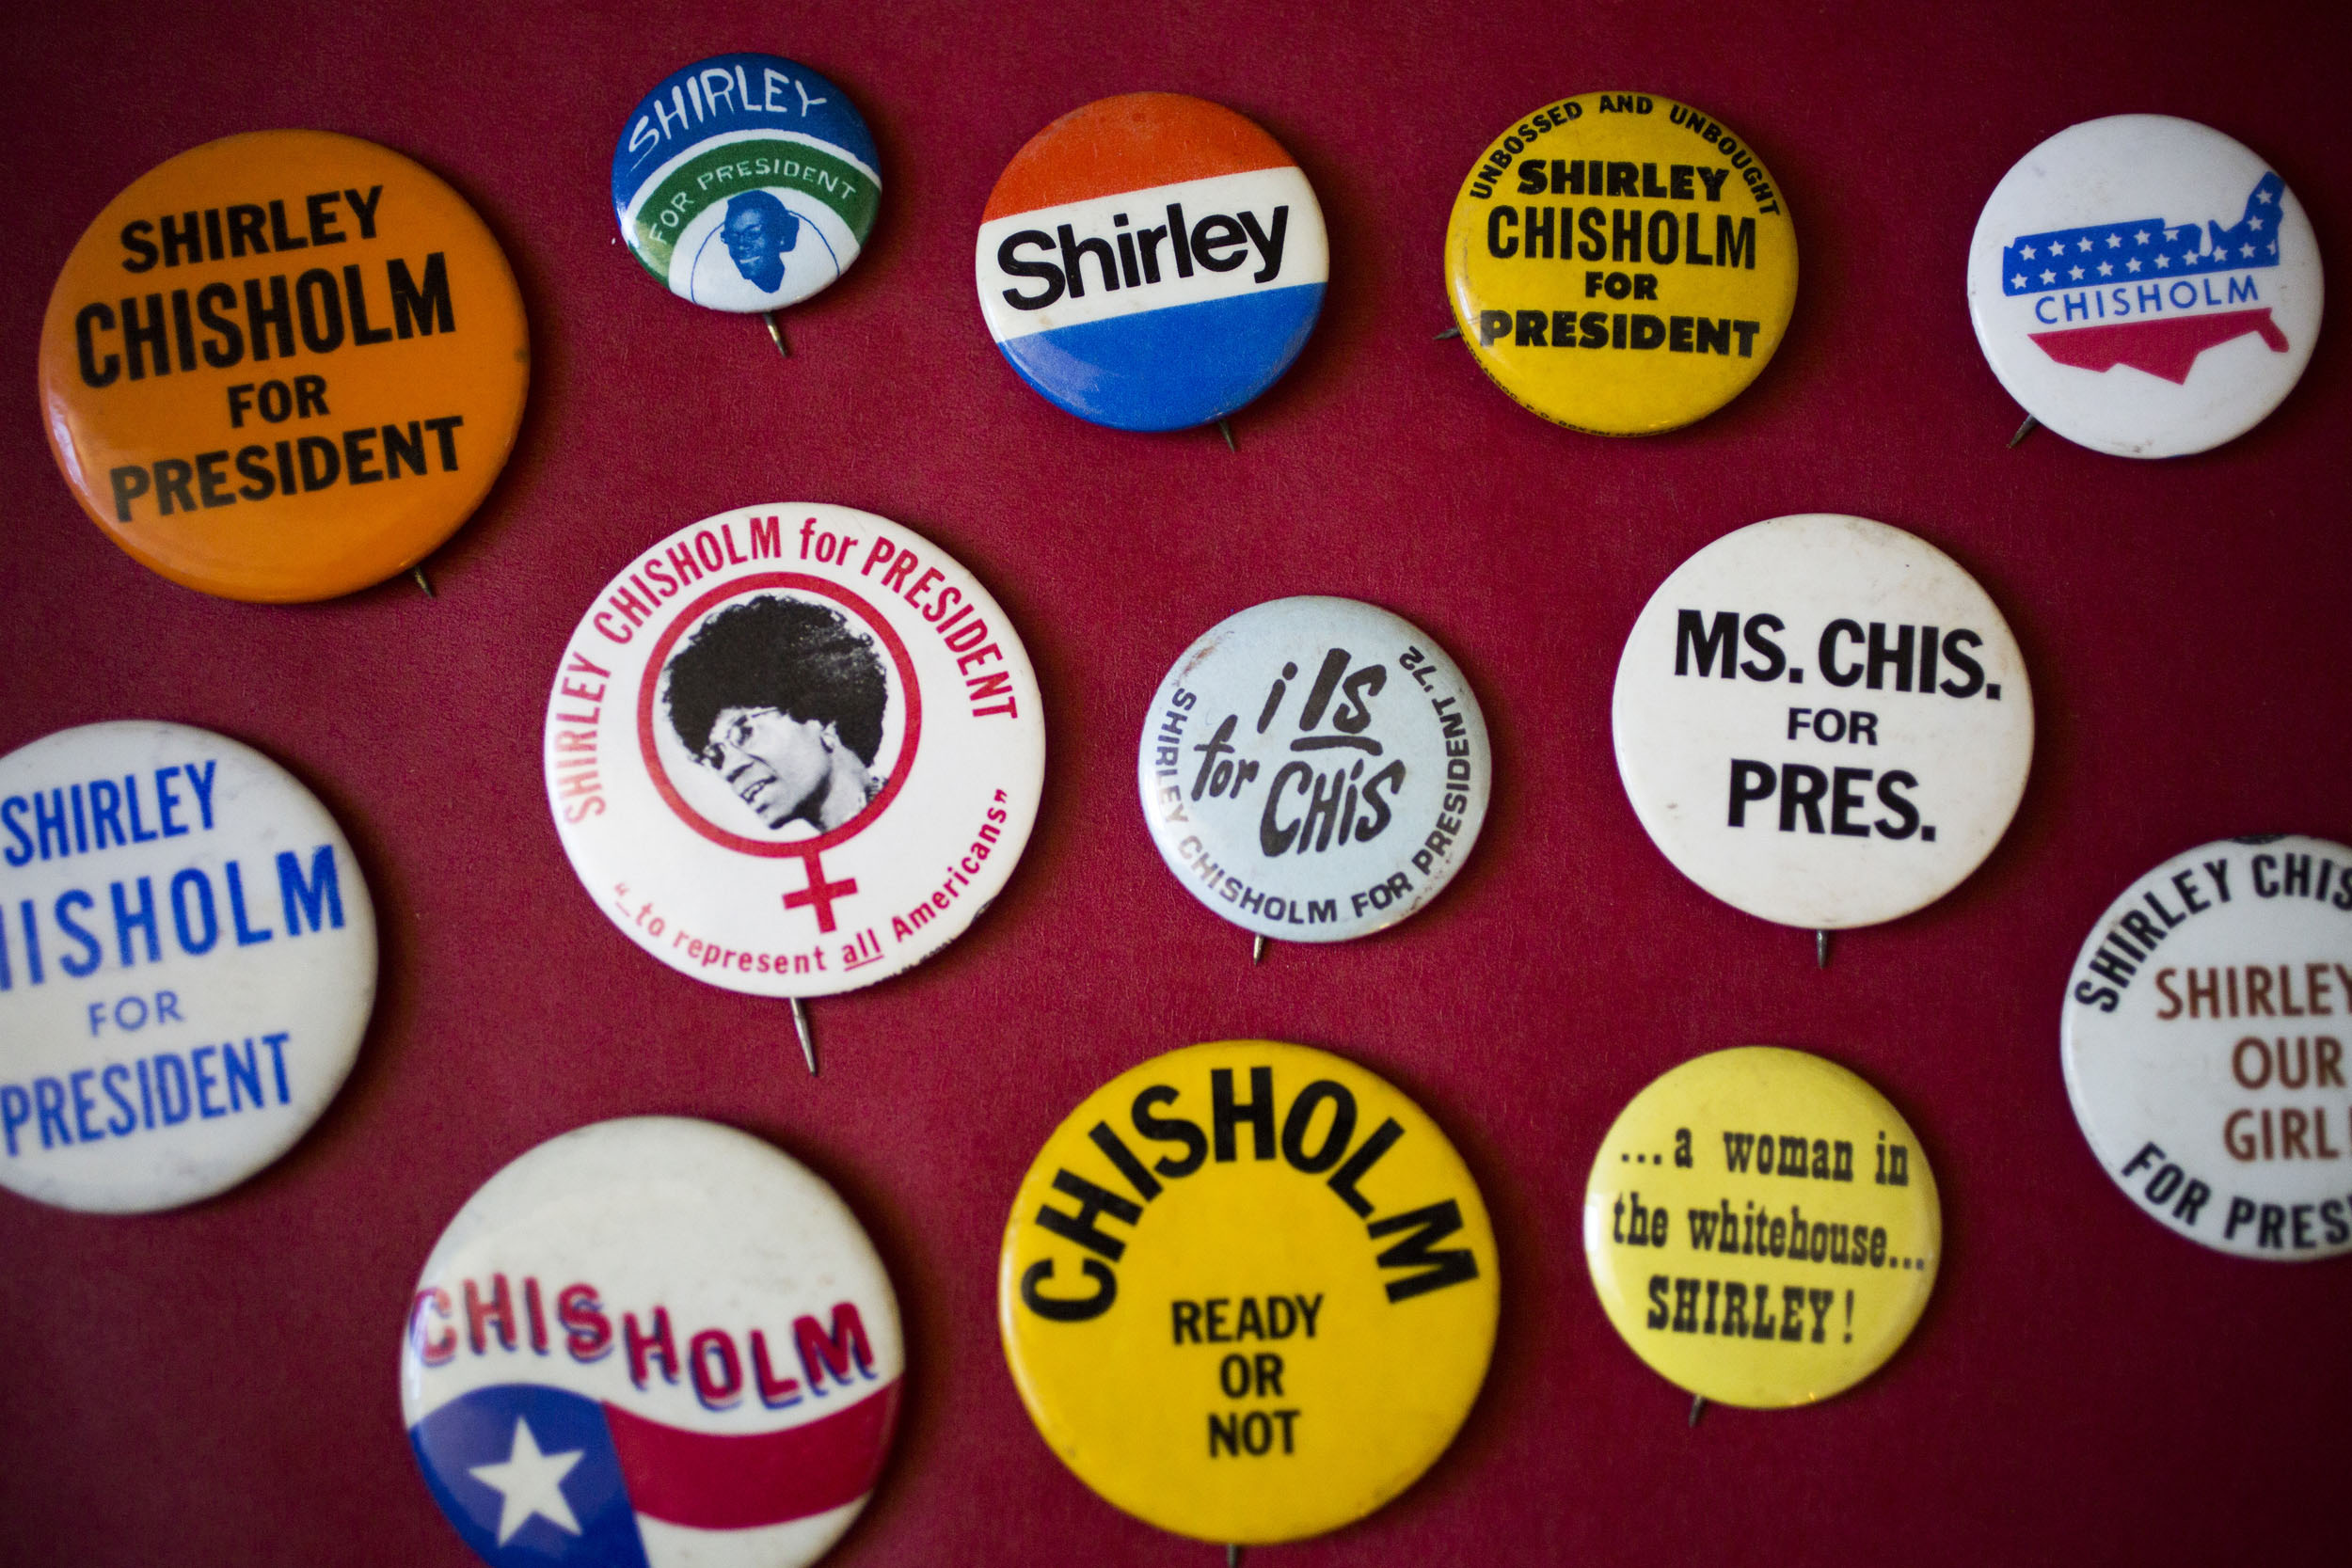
[2023, 430]
[1257, 948]
[1698, 1406]
[775, 330]
[1228, 432]
[808, 1042]
[418, 572]
[1821, 949]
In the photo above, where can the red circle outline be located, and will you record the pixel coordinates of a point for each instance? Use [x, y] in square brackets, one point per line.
[655, 662]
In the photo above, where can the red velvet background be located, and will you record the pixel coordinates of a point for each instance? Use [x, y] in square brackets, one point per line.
[217, 1385]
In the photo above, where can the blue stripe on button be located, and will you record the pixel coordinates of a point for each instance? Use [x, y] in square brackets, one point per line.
[1171, 368]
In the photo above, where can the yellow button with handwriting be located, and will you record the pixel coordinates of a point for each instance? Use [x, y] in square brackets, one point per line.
[1248, 1292]
[1621, 263]
[283, 366]
[1762, 1227]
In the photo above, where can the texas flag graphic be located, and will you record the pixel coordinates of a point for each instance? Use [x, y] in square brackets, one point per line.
[532, 1475]
[2153, 295]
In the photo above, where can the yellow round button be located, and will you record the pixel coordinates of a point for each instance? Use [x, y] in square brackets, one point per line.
[1248, 1292]
[1621, 263]
[1762, 1227]
[283, 366]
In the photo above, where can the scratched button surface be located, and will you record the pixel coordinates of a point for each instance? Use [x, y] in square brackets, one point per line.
[652, 1344]
[283, 366]
[792, 750]
[1762, 1227]
[2205, 1038]
[187, 961]
[2145, 286]
[1621, 263]
[1152, 262]
[1823, 720]
[745, 182]
[1248, 1292]
[1315, 768]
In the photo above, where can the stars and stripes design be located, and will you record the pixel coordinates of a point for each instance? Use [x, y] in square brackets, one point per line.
[533, 1476]
[2145, 249]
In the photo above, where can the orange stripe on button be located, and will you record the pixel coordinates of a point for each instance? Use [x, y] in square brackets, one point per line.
[1131, 142]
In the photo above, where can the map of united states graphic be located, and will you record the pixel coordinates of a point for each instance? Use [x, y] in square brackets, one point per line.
[2150, 270]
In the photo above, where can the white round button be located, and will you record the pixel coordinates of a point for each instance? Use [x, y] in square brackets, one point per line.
[793, 749]
[2145, 286]
[1823, 720]
[1315, 768]
[2204, 1037]
[187, 959]
[649, 1343]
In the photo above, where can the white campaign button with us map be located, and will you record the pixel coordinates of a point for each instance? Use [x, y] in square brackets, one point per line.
[2145, 286]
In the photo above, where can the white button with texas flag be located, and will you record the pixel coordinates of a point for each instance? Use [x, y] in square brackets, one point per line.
[651, 1343]
[1152, 262]
[2145, 286]
[792, 750]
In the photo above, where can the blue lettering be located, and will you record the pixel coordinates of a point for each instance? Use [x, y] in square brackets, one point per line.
[2075, 305]
[166, 801]
[204, 1081]
[92, 952]
[278, 1056]
[2150, 298]
[126, 922]
[49, 817]
[32, 941]
[2242, 289]
[129, 1119]
[83, 1103]
[203, 782]
[250, 1075]
[49, 1099]
[106, 812]
[139, 830]
[2047, 321]
[189, 943]
[247, 936]
[166, 1084]
[322, 892]
[12, 818]
[2178, 288]
[16, 1109]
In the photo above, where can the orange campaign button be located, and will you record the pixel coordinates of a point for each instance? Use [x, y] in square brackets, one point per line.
[283, 366]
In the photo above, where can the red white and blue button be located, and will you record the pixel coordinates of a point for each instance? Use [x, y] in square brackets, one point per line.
[2145, 286]
[650, 1343]
[1152, 262]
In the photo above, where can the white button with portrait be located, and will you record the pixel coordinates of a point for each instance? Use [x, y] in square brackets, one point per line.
[794, 748]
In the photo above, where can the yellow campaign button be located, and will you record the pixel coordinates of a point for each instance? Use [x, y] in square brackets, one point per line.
[1621, 263]
[1762, 1227]
[1248, 1292]
[283, 366]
